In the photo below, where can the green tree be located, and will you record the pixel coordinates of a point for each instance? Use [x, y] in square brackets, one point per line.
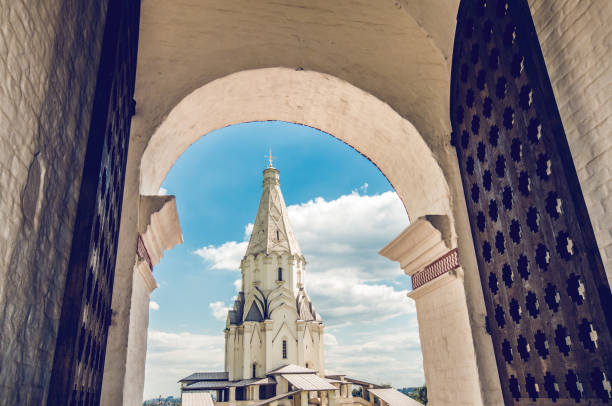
[420, 394]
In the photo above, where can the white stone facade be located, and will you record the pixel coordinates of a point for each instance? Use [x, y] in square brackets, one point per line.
[273, 322]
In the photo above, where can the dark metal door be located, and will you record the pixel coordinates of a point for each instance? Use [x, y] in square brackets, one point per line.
[545, 288]
[86, 310]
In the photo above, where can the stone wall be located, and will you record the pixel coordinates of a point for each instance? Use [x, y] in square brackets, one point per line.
[48, 67]
[576, 37]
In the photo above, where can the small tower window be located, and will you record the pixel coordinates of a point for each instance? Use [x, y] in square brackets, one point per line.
[254, 369]
[284, 349]
[277, 236]
[280, 274]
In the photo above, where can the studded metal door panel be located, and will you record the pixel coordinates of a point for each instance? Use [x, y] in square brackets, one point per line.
[545, 289]
[86, 310]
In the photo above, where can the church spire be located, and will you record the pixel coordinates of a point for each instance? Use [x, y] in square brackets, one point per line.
[272, 231]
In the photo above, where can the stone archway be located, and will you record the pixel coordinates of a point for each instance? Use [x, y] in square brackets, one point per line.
[314, 99]
[368, 125]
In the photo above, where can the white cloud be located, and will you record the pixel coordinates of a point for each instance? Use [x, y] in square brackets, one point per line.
[172, 356]
[153, 305]
[388, 357]
[329, 339]
[226, 256]
[219, 310]
[162, 191]
[248, 229]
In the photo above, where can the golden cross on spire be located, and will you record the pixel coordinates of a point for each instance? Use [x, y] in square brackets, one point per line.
[270, 158]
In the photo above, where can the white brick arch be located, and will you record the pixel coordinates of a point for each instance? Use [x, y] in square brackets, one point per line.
[310, 98]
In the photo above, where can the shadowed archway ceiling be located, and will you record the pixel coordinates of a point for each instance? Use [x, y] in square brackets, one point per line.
[396, 50]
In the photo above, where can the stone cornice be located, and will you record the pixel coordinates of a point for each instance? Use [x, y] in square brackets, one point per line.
[158, 227]
[417, 246]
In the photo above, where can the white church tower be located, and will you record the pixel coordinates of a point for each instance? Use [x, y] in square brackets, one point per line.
[273, 322]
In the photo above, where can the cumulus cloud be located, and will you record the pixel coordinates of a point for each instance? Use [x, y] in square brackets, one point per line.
[226, 256]
[329, 339]
[219, 310]
[391, 357]
[179, 355]
[153, 305]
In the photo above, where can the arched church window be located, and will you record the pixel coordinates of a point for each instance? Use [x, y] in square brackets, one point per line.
[254, 369]
[280, 274]
[277, 235]
[284, 349]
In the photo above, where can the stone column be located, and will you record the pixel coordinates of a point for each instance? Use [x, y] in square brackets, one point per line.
[321, 350]
[332, 398]
[442, 312]
[232, 395]
[301, 324]
[304, 398]
[231, 349]
[324, 398]
[158, 230]
[268, 332]
[370, 396]
[246, 345]
[255, 392]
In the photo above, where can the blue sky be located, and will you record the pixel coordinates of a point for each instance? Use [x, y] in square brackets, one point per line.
[343, 210]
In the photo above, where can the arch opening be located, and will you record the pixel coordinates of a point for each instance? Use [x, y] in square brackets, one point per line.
[310, 98]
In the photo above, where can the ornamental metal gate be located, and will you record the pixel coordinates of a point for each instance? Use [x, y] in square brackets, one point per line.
[86, 310]
[545, 288]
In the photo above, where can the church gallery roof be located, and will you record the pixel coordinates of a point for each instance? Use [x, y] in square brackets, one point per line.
[292, 369]
[206, 376]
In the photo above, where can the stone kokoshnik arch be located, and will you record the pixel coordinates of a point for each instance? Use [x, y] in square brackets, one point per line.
[546, 291]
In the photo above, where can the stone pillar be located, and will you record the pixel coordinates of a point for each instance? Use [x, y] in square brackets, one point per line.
[442, 313]
[248, 328]
[304, 398]
[143, 283]
[158, 230]
[268, 332]
[343, 390]
[332, 398]
[232, 395]
[231, 349]
[324, 398]
[300, 344]
[321, 350]
[370, 396]
[255, 392]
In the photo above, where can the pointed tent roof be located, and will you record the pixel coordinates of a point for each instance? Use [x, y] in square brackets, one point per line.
[272, 231]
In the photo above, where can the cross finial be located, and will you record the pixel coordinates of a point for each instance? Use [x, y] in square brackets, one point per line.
[270, 158]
